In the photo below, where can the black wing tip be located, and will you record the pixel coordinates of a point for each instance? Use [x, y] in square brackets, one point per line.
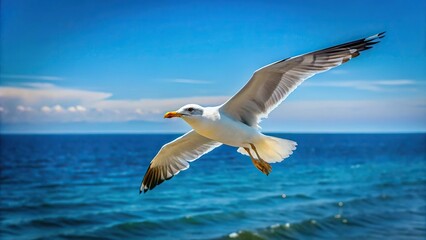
[144, 190]
[151, 180]
[375, 38]
[357, 45]
[367, 43]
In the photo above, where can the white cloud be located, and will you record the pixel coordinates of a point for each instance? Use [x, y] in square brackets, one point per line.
[58, 108]
[72, 109]
[46, 109]
[23, 108]
[95, 105]
[380, 85]
[139, 111]
[31, 77]
[80, 108]
[351, 110]
[329, 115]
[45, 95]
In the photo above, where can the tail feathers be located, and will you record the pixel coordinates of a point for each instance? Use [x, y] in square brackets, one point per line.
[272, 149]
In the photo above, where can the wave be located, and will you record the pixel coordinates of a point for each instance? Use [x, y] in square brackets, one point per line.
[334, 227]
[123, 224]
[75, 221]
[156, 228]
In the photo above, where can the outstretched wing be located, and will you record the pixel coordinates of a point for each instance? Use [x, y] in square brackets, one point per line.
[270, 85]
[174, 157]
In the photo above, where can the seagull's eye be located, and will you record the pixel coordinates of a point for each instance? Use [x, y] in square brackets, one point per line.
[190, 109]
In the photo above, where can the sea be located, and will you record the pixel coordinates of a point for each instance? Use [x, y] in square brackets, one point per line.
[334, 186]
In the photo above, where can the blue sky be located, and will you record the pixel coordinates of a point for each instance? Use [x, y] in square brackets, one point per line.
[116, 66]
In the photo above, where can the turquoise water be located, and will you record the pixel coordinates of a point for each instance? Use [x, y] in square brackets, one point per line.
[334, 186]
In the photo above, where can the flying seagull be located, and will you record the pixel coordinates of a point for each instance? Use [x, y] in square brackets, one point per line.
[235, 123]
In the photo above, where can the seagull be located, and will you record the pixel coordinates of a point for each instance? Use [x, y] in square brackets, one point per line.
[236, 122]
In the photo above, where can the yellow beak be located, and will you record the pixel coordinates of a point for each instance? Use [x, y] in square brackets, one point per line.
[172, 114]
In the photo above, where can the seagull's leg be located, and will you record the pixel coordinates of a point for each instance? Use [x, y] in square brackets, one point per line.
[265, 167]
[254, 161]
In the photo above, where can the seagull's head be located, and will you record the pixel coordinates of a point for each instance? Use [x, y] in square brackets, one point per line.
[187, 111]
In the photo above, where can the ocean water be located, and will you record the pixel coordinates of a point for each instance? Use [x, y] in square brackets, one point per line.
[335, 186]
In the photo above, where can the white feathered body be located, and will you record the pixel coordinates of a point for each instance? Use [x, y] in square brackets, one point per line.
[218, 126]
